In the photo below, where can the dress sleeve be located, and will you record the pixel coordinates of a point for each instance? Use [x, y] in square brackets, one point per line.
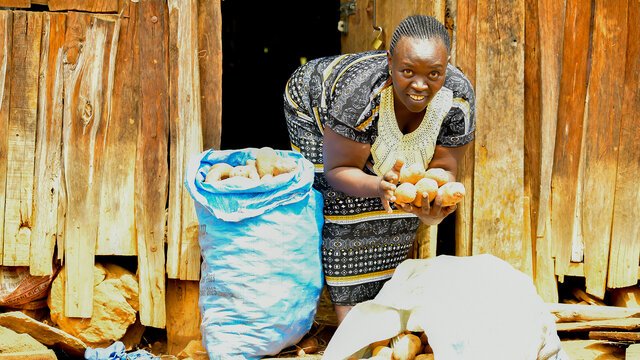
[458, 127]
[353, 100]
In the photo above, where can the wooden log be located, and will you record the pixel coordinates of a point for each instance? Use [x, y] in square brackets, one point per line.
[116, 228]
[95, 6]
[426, 242]
[629, 324]
[614, 335]
[499, 145]
[210, 63]
[626, 297]
[606, 91]
[568, 148]
[625, 247]
[152, 168]
[27, 29]
[466, 60]
[6, 28]
[89, 45]
[48, 147]
[576, 312]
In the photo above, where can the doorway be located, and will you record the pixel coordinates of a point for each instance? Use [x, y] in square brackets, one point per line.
[263, 42]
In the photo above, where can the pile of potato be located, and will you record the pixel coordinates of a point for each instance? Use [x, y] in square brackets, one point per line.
[267, 164]
[405, 346]
[415, 180]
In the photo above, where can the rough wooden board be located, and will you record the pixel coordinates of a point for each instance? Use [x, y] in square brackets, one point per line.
[6, 21]
[88, 45]
[183, 315]
[27, 27]
[499, 147]
[210, 63]
[16, 3]
[625, 297]
[183, 253]
[625, 237]
[633, 351]
[152, 167]
[527, 240]
[550, 25]
[578, 312]
[609, 324]
[45, 334]
[116, 228]
[94, 6]
[593, 349]
[606, 90]
[465, 60]
[361, 33]
[568, 148]
[615, 335]
[48, 147]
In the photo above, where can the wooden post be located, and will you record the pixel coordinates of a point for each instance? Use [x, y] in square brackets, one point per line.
[499, 145]
[152, 168]
[183, 315]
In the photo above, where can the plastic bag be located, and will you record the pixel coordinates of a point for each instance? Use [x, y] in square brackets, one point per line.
[471, 308]
[260, 243]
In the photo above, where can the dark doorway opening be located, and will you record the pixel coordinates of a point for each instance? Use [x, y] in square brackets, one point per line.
[263, 42]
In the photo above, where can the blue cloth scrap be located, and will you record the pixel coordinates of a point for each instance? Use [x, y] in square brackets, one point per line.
[116, 352]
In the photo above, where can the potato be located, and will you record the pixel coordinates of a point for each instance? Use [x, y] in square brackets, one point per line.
[405, 193]
[384, 342]
[451, 193]
[249, 171]
[217, 172]
[438, 174]
[284, 165]
[406, 347]
[411, 173]
[308, 345]
[266, 159]
[424, 357]
[425, 185]
[382, 352]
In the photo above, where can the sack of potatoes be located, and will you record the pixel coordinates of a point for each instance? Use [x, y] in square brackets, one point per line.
[405, 346]
[267, 163]
[417, 184]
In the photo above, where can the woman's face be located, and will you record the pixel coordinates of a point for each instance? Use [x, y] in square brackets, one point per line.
[418, 68]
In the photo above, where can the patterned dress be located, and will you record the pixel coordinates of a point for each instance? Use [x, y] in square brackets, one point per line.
[352, 94]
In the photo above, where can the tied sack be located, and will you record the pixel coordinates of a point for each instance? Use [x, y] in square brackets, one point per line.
[471, 308]
[260, 243]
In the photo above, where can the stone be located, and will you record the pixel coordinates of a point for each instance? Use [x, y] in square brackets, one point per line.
[12, 342]
[115, 300]
[30, 355]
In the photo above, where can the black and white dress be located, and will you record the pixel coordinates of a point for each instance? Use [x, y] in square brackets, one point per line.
[352, 94]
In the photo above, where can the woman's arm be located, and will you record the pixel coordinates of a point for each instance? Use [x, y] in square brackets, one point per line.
[344, 160]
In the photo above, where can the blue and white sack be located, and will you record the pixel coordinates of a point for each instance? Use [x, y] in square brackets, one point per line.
[260, 243]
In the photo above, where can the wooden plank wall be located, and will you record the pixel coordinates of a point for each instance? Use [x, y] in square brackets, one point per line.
[90, 175]
[554, 133]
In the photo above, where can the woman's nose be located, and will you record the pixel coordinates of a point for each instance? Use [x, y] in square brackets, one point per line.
[420, 84]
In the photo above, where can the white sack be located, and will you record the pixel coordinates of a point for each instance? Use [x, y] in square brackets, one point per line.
[472, 308]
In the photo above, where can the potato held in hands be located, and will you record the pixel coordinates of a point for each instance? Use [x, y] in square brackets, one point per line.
[441, 176]
[405, 193]
[411, 173]
[425, 185]
[451, 193]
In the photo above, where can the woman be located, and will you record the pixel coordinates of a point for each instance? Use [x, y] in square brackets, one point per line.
[358, 118]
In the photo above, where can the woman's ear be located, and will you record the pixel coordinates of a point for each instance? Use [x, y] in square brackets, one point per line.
[389, 61]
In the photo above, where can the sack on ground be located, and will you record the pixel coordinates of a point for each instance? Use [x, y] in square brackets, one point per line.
[471, 308]
[260, 243]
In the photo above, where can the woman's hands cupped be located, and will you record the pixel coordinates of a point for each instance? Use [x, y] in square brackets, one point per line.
[430, 213]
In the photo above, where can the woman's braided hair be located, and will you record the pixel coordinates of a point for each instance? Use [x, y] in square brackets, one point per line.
[420, 27]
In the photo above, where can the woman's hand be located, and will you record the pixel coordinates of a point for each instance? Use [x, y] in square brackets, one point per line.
[429, 214]
[387, 186]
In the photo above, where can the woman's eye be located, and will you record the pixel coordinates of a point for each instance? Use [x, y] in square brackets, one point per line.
[407, 72]
[434, 75]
